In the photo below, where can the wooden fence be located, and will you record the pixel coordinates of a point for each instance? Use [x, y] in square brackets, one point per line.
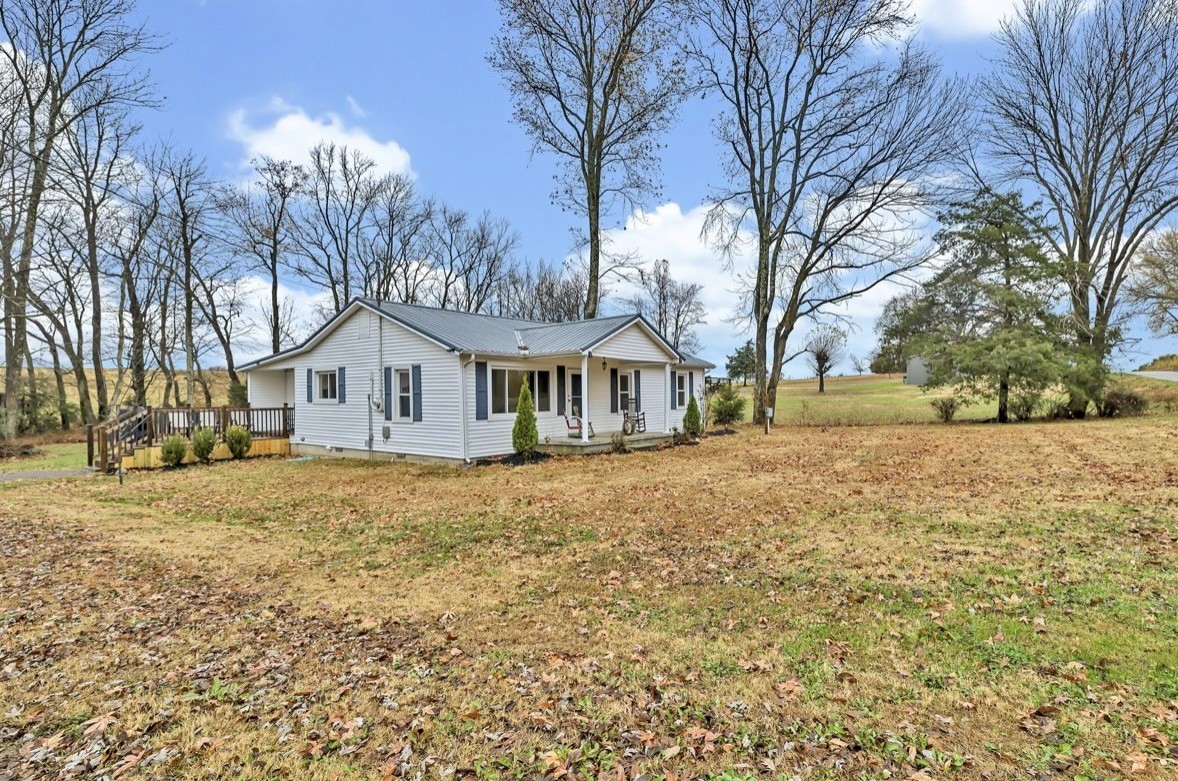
[139, 427]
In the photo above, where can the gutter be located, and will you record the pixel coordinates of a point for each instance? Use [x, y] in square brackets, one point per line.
[462, 400]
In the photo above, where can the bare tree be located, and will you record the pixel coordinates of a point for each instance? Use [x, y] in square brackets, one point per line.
[825, 348]
[543, 294]
[833, 144]
[466, 259]
[1085, 113]
[858, 364]
[188, 214]
[1155, 283]
[395, 264]
[261, 226]
[594, 83]
[69, 59]
[674, 308]
[141, 275]
[343, 187]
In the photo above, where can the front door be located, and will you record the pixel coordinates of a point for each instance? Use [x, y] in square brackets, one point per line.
[575, 397]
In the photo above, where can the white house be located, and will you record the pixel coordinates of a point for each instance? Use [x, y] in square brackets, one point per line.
[414, 381]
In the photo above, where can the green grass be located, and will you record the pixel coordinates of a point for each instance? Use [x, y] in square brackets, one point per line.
[876, 400]
[71, 455]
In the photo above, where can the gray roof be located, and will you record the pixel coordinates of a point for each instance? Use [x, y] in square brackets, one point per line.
[695, 361]
[489, 335]
[476, 333]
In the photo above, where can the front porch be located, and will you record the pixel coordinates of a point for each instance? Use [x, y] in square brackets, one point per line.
[602, 442]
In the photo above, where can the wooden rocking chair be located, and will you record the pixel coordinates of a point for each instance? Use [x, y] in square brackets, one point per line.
[633, 420]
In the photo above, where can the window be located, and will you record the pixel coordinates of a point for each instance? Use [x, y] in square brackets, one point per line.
[625, 381]
[543, 392]
[328, 387]
[404, 387]
[681, 390]
[506, 385]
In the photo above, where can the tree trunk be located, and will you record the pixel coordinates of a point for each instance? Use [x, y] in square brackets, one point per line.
[1004, 398]
[96, 320]
[822, 382]
[593, 204]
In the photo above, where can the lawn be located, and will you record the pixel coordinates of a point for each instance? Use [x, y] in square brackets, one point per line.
[55, 455]
[875, 399]
[922, 601]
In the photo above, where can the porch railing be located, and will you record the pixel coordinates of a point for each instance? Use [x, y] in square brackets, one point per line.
[136, 427]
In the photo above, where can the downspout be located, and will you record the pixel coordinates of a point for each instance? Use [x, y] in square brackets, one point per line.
[372, 383]
[462, 400]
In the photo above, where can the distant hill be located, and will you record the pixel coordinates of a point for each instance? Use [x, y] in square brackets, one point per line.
[1164, 363]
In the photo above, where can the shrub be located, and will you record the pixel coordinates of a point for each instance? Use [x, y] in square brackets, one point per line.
[524, 436]
[1121, 402]
[238, 395]
[1025, 405]
[727, 406]
[239, 440]
[1058, 408]
[204, 442]
[946, 408]
[174, 450]
[617, 443]
[691, 419]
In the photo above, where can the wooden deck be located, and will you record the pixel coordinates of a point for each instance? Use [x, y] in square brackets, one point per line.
[601, 443]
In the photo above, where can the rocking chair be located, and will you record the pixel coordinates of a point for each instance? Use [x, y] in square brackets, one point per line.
[575, 424]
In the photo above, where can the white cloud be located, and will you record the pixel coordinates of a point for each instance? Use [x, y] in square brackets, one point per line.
[669, 232]
[288, 132]
[962, 18]
[356, 108]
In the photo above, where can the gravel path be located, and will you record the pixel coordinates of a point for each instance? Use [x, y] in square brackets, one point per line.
[45, 474]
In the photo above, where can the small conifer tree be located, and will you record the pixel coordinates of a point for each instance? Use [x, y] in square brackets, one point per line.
[691, 419]
[524, 435]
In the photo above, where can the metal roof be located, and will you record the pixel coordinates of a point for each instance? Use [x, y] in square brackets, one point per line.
[490, 335]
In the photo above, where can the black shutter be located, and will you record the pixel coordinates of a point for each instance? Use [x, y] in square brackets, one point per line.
[690, 384]
[560, 390]
[310, 385]
[388, 393]
[637, 391]
[613, 390]
[415, 372]
[480, 390]
[341, 388]
[674, 390]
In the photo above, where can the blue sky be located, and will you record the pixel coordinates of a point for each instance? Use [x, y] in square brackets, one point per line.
[407, 82]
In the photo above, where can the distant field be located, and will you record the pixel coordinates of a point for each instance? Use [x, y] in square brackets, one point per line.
[218, 386]
[1165, 363]
[880, 399]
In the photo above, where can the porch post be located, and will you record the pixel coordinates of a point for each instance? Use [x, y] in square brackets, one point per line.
[585, 398]
[667, 398]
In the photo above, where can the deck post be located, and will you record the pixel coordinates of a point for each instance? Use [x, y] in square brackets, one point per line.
[150, 427]
[90, 444]
[585, 397]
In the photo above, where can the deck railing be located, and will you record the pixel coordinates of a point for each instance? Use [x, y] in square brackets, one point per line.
[136, 427]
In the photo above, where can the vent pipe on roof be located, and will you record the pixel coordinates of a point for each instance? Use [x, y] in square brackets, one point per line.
[520, 344]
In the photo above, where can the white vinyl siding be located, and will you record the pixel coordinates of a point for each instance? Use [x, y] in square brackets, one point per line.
[632, 344]
[438, 434]
[269, 388]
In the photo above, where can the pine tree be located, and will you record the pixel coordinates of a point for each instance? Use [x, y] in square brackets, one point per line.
[524, 435]
[691, 419]
[987, 319]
